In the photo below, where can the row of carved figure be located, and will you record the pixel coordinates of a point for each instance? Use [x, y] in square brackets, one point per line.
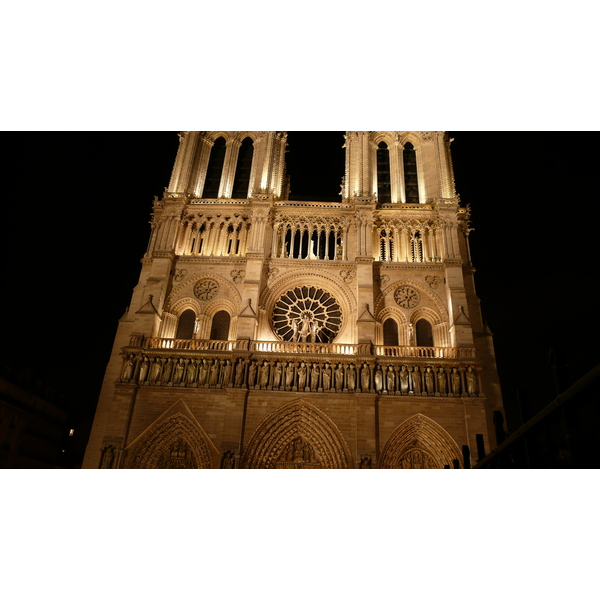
[300, 376]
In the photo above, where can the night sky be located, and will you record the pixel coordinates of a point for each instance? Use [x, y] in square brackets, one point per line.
[77, 207]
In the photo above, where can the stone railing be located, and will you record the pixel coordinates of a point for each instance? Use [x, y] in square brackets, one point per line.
[423, 352]
[301, 348]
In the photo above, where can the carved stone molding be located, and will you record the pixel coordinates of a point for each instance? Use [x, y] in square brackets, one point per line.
[419, 442]
[238, 275]
[172, 443]
[347, 275]
[433, 281]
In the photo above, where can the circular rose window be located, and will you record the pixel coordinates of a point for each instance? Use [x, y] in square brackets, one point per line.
[307, 314]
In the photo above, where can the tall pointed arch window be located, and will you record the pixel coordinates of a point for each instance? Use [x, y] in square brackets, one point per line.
[424, 333]
[384, 189]
[214, 169]
[220, 326]
[411, 180]
[390, 333]
[241, 181]
[186, 325]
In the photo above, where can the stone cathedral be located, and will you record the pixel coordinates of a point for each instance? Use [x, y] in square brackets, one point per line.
[266, 332]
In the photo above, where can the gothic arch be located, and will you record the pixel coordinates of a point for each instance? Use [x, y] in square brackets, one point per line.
[439, 328]
[270, 443]
[439, 310]
[391, 312]
[186, 288]
[184, 304]
[153, 449]
[419, 438]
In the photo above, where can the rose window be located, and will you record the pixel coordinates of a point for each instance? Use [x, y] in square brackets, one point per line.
[307, 314]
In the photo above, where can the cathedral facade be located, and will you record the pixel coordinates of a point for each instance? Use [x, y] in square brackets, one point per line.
[267, 332]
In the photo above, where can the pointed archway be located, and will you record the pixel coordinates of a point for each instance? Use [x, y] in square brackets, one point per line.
[174, 442]
[419, 443]
[297, 435]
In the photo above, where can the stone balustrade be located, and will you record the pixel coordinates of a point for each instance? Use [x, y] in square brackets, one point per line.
[301, 348]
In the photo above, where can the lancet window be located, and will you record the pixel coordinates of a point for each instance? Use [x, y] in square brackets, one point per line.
[312, 241]
[384, 189]
[241, 181]
[416, 247]
[424, 333]
[386, 245]
[186, 325]
[390, 333]
[214, 169]
[220, 326]
[411, 180]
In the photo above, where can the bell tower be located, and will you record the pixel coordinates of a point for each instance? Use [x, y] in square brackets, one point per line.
[266, 332]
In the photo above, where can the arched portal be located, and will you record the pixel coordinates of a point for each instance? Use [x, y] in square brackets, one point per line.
[297, 435]
[174, 443]
[419, 443]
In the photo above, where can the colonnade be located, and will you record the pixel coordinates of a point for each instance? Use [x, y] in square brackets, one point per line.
[310, 241]
[215, 238]
[410, 244]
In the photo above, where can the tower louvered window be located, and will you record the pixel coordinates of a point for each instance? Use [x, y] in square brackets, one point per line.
[384, 189]
[411, 181]
[241, 182]
[214, 169]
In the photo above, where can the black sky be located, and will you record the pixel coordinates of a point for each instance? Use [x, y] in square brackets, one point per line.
[77, 206]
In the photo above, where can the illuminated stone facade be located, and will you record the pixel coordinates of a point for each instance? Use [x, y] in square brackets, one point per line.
[269, 333]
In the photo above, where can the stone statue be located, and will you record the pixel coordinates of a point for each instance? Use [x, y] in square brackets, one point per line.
[471, 381]
[264, 374]
[351, 378]
[143, 370]
[252, 373]
[339, 377]
[191, 372]
[378, 379]
[403, 379]
[203, 372]
[289, 375]
[277, 369]
[155, 370]
[455, 381]
[365, 377]
[326, 377]
[226, 373]
[302, 376]
[168, 369]
[391, 379]
[441, 379]
[416, 380]
[411, 333]
[129, 365]
[429, 384]
[214, 373]
[239, 372]
[314, 377]
[179, 366]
